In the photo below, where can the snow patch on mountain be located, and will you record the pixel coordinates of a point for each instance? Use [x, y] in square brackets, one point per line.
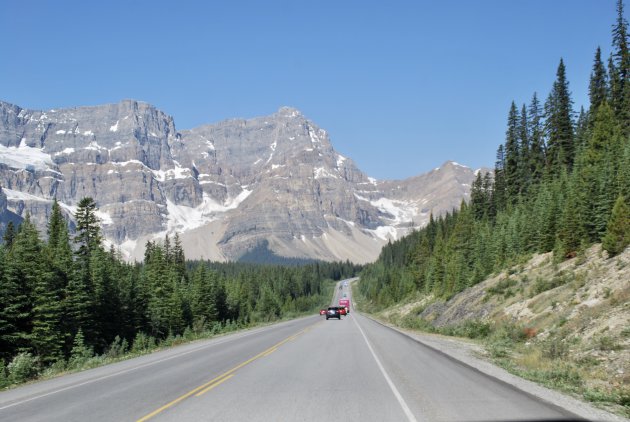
[25, 157]
[184, 218]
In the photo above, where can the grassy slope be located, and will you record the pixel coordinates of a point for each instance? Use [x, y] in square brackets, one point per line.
[565, 325]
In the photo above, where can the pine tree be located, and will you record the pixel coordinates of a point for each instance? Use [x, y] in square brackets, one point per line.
[525, 159]
[478, 200]
[582, 130]
[617, 236]
[512, 156]
[47, 336]
[499, 195]
[598, 85]
[559, 123]
[571, 231]
[24, 272]
[620, 44]
[9, 235]
[537, 141]
[88, 235]
[620, 91]
[80, 292]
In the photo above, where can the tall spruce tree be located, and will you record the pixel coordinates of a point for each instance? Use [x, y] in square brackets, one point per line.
[524, 164]
[88, 232]
[620, 43]
[512, 155]
[537, 140]
[617, 236]
[598, 85]
[24, 271]
[499, 195]
[620, 91]
[80, 292]
[9, 235]
[559, 124]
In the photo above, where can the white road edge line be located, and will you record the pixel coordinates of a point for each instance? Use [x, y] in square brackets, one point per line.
[401, 401]
[135, 368]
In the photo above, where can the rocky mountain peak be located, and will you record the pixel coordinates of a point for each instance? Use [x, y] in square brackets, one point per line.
[286, 111]
[226, 188]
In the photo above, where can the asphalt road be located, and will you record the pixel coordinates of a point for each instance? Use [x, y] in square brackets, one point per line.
[308, 369]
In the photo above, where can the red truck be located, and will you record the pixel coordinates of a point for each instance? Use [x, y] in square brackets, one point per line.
[345, 303]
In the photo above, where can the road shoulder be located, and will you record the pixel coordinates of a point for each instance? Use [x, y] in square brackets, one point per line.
[472, 354]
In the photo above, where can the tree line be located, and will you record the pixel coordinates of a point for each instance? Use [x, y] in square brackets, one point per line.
[69, 294]
[561, 183]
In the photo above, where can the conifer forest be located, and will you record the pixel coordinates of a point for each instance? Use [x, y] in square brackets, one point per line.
[561, 183]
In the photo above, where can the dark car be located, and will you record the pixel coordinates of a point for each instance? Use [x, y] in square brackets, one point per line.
[333, 312]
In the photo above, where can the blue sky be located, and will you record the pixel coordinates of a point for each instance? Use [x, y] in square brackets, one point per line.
[401, 86]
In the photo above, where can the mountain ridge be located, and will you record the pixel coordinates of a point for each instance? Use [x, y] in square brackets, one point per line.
[225, 187]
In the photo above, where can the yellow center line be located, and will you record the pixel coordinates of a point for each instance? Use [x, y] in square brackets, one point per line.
[218, 380]
[211, 386]
[271, 351]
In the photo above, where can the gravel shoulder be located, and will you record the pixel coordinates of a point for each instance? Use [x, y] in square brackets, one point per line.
[472, 354]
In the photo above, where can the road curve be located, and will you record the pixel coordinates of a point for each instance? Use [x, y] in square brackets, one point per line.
[308, 369]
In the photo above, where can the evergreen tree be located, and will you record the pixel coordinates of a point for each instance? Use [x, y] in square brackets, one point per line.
[571, 232]
[478, 200]
[598, 85]
[559, 124]
[581, 130]
[537, 141]
[620, 43]
[620, 91]
[24, 271]
[47, 338]
[525, 159]
[617, 236]
[9, 235]
[512, 155]
[499, 195]
[80, 293]
[88, 232]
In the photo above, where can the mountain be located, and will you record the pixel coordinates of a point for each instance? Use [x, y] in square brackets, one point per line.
[272, 182]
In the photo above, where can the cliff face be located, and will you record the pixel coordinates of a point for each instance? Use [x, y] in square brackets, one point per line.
[226, 188]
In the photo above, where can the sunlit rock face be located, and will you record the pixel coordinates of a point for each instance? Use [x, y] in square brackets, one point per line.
[225, 188]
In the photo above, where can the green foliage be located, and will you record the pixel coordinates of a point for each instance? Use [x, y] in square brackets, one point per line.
[23, 367]
[608, 343]
[543, 284]
[118, 348]
[554, 348]
[474, 329]
[142, 343]
[4, 379]
[617, 236]
[554, 188]
[562, 375]
[80, 353]
[502, 287]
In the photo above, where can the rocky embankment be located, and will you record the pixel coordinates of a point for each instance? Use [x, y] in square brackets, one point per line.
[565, 325]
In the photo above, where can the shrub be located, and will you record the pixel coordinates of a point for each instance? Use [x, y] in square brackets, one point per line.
[607, 343]
[4, 380]
[118, 348]
[142, 342]
[80, 353]
[55, 368]
[555, 349]
[503, 287]
[22, 368]
[542, 285]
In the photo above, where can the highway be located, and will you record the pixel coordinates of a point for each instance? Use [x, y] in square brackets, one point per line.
[308, 369]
